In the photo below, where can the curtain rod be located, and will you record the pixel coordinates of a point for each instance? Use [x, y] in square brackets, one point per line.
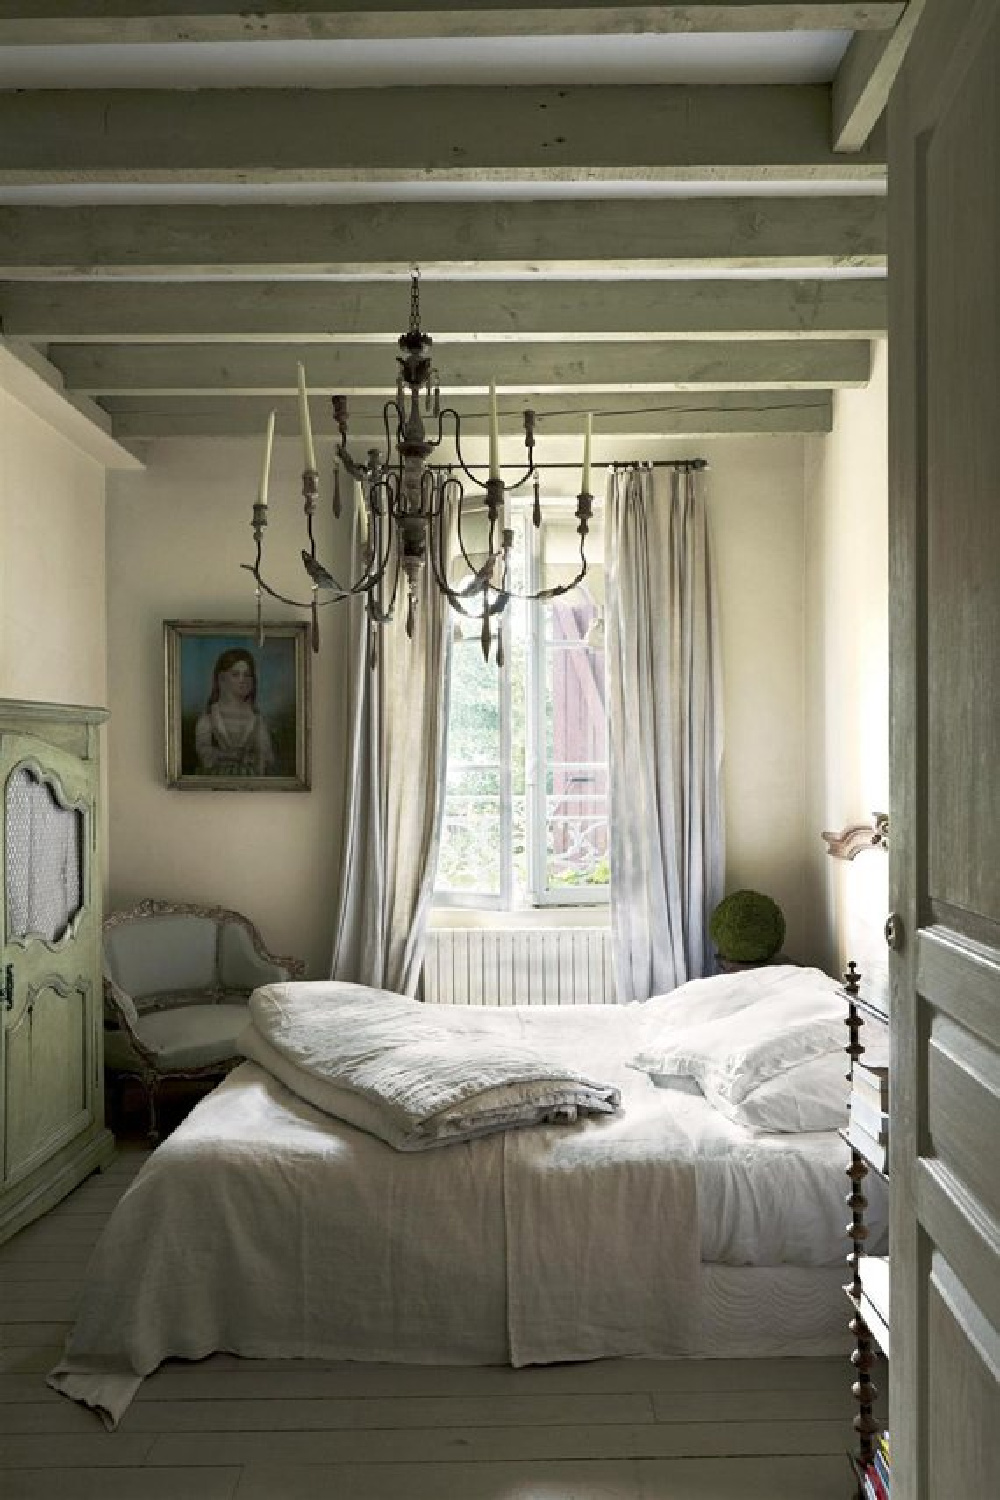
[615, 463]
[659, 463]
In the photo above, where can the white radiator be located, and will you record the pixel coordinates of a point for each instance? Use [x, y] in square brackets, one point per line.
[518, 966]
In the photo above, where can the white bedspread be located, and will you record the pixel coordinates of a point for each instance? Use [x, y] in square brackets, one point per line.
[268, 1229]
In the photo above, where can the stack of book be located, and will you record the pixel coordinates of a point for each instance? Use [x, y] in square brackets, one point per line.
[873, 1478]
[868, 1129]
[876, 1474]
[873, 1304]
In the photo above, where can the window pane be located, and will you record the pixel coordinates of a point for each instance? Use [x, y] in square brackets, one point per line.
[471, 843]
[471, 854]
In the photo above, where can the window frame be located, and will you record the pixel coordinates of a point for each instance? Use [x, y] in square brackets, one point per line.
[517, 514]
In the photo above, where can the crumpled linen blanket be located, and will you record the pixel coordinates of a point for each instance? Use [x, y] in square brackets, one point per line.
[394, 1067]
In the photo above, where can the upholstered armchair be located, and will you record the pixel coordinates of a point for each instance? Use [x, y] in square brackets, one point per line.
[177, 978]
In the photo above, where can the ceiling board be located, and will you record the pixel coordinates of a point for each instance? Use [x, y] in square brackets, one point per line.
[324, 312]
[94, 22]
[270, 369]
[109, 194]
[764, 58]
[597, 134]
[43, 243]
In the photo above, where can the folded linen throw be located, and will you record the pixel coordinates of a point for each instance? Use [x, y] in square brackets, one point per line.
[391, 1066]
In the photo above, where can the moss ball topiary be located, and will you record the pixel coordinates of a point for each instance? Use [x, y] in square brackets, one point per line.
[747, 927]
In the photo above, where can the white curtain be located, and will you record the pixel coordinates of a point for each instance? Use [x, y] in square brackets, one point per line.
[665, 728]
[397, 721]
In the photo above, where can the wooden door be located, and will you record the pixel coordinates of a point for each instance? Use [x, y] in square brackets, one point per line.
[944, 263]
[49, 1041]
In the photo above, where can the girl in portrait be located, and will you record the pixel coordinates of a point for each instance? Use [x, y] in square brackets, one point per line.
[231, 736]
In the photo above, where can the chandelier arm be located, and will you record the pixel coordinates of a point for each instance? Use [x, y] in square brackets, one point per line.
[376, 610]
[439, 561]
[295, 603]
[357, 471]
[440, 571]
[391, 406]
[469, 473]
[529, 473]
[457, 601]
[556, 591]
[385, 556]
[376, 562]
[461, 539]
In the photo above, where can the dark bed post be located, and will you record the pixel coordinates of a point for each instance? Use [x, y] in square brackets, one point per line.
[862, 1359]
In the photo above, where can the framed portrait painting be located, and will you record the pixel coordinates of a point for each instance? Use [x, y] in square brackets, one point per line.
[237, 712]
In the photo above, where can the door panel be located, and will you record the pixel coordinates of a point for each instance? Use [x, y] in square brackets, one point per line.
[963, 1109]
[48, 1074]
[957, 190]
[964, 1366]
[48, 1027]
[944, 251]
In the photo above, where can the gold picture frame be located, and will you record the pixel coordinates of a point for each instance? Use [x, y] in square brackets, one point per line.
[237, 713]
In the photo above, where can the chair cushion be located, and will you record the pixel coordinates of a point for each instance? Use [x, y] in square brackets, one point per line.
[153, 955]
[191, 1037]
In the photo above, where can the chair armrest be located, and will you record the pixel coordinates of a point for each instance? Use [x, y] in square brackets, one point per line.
[121, 1008]
[245, 963]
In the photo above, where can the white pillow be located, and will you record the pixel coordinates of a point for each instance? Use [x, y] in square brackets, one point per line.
[810, 1096]
[754, 1031]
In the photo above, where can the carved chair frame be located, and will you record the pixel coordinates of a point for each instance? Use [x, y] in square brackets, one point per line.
[147, 1070]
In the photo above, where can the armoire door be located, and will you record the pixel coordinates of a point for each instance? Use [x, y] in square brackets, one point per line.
[944, 340]
[49, 1041]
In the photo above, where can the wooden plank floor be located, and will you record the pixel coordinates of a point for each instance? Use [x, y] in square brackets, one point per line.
[230, 1429]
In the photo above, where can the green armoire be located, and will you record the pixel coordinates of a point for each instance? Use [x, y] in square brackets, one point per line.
[52, 1132]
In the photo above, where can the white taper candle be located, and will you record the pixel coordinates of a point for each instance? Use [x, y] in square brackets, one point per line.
[307, 435]
[494, 435]
[587, 426]
[265, 471]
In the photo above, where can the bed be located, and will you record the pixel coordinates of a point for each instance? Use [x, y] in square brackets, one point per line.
[266, 1227]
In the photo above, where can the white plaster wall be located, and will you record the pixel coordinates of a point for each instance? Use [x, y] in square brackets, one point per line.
[756, 509]
[176, 537]
[847, 670]
[52, 609]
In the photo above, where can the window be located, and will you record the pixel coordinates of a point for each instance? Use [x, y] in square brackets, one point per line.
[526, 802]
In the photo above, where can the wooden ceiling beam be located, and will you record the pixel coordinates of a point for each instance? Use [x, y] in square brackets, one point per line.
[561, 237]
[109, 22]
[681, 415]
[461, 311]
[270, 369]
[865, 77]
[272, 137]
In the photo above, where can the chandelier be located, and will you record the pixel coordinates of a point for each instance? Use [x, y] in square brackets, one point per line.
[414, 507]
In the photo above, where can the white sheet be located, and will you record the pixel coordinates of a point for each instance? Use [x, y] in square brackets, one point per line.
[267, 1229]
